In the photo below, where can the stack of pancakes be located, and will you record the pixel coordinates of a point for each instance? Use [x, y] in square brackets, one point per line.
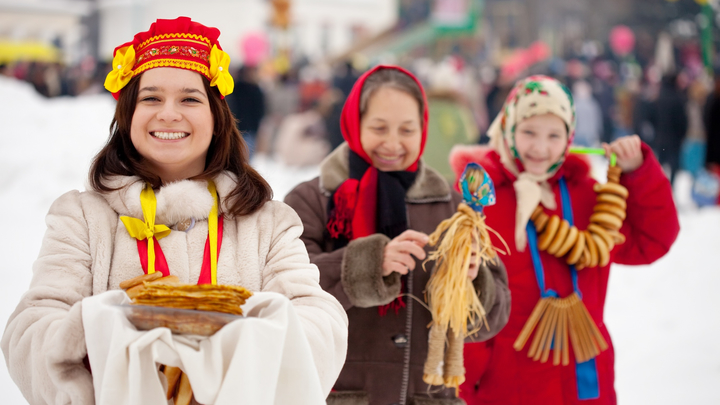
[175, 299]
[156, 290]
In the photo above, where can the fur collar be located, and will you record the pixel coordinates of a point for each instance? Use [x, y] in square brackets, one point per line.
[575, 168]
[429, 185]
[176, 201]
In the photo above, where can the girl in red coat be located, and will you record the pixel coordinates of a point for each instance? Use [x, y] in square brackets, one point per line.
[530, 165]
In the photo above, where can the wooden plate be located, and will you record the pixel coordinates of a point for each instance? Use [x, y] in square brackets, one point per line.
[179, 321]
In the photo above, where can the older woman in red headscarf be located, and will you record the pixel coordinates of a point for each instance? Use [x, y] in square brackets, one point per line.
[366, 219]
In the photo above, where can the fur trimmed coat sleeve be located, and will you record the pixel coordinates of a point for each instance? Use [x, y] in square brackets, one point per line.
[44, 341]
[289, 271]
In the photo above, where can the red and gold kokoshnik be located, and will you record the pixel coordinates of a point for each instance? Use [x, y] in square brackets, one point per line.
[179, 43]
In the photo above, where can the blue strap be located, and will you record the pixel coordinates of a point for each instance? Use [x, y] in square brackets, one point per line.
[568, 216]
[537, 263]
[587, 380]
[586, 373]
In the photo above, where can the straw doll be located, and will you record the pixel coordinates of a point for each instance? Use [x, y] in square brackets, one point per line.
[456, 308]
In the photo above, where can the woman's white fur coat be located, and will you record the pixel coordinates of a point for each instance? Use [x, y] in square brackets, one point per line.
[87, 250]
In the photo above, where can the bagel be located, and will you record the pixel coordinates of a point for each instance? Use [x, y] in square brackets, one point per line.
[549, 233]
[174, 280]
[184, 393]
[612, 199]
[617, 237]
[570, 241]
[603, 251]
[536, 213]
[609, 221]
[133, 291]
[139, 280]
[601, 232]
[612, 188]
[585, 258]
[611, 209]
[592, 248]
[559, 237]
[614, 171]
[577, 250]
[541, 222]
[172, 374]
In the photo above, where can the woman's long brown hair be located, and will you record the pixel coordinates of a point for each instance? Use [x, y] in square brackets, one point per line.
[228, 152]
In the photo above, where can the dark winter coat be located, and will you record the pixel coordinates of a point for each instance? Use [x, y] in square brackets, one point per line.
[247, 103]
[711, 118]
[386, 353]
[670, 119]
[505, 376]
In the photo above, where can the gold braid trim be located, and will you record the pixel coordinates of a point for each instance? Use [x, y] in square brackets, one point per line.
[175, 36]
[176, 63]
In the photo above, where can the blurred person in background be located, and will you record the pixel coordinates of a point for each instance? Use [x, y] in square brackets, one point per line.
[451, 120]
[283, 99]
[602, 84]
[589, 115]
[670, 123]
[644, 111]
[711, 118]
[302, 138]
[247, 104]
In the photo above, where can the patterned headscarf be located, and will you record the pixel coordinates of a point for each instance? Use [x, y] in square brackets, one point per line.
[535, 95]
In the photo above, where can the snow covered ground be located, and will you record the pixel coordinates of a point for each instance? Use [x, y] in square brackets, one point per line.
[664, 318]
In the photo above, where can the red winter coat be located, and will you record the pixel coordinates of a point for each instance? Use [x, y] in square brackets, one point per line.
[496, 373]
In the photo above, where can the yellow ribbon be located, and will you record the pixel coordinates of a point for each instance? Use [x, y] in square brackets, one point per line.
[146, 229]
[220, 71]
[213, 232]
[122, 71]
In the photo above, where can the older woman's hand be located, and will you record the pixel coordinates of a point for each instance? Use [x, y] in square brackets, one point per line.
[399, 252]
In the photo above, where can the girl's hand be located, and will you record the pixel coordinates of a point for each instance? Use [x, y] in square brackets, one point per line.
[628, 151]
[399, 252]
[474, 263]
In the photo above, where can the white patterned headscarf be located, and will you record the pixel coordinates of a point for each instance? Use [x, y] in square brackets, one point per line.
[535, 95]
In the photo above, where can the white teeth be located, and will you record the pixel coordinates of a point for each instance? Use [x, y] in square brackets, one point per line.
[170, 135]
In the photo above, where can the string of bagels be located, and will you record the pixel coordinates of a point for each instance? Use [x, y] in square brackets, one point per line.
[564, 321]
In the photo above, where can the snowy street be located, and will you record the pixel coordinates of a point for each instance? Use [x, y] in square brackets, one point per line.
[664, 318]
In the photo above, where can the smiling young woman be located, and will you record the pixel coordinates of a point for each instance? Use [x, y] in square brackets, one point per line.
[172, 191]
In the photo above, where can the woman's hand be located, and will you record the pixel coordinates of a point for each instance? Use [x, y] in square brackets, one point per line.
[628, 151]
[399, 252]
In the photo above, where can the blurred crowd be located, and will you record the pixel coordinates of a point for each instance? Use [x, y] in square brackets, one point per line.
[55, 79]
[294, 116]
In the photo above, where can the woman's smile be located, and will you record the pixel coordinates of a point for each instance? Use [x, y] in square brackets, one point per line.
[166, 135]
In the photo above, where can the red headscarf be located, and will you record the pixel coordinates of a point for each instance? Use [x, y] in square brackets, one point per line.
[356, 201]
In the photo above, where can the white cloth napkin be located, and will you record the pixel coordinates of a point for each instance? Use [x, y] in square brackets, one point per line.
[263, 358]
